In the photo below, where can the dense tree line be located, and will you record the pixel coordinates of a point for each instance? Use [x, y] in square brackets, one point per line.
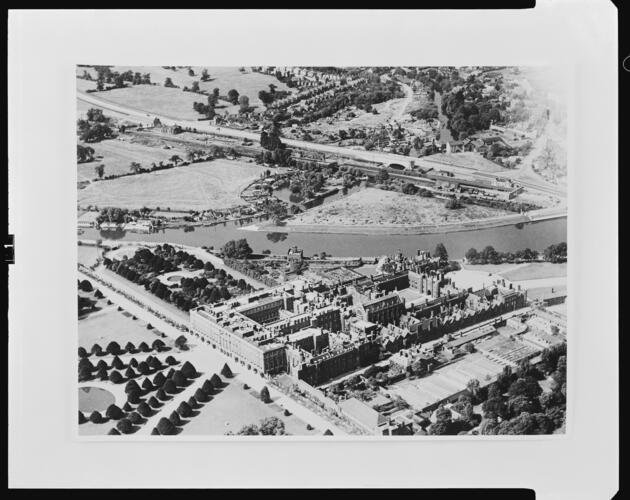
[117, 80]
[553, 253]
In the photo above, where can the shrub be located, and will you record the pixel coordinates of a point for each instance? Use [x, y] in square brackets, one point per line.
[147, 385]
[82, 418]
[143, 368]
[226, 372]
[158, 345]
[161, 395]
[169, 387]
[170, 360]
[184, 409]
[155, 432]
[102, 374]
[175, 418]
[180, 341]
[134, 397]
[207, 387]
[113, 432]
[159, 379]
[135, 418]
[115, 377]
[192, 402]
[97, 350]
[144, 409]
[133, 362]
[143, 347]
[132, 386]
[287, 413]
[156, 364]
[201, 396]
[216, 381]
[86, 286]
[96, 417]
[114, 412]
[328, 432]
[130, 348]
[179, 379]
[264, 395]
[117, 363]
[98, 294]
[166, 428]
[124, 426]
[85, 363]
[102, 365]
[189, 370]
[127, 407]
[85, 374]
[170, 373]
[309, 427]
[149, 326]
[130, 373]
[113, 348]
[82, 352]
[153, 402]
[245, 387]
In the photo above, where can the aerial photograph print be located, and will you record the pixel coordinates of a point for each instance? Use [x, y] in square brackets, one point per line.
[330, 251]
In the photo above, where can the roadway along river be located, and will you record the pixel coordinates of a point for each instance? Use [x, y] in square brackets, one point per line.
[537, 236]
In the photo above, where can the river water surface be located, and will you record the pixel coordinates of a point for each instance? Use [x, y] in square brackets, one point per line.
[536, 235]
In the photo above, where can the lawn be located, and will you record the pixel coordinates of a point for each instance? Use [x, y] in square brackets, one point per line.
[117, 155]
[207, 185]
[235, 407]
[535, 271]
[373, 206]
[109, 324]
[86, 255]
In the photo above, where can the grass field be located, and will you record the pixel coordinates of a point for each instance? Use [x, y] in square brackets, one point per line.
[207, 185]
[175, 102]
[109, 324]
[535, 271]
[117, 155]
[161, 100]
[235, 407]
[372, 206]
[82, 109]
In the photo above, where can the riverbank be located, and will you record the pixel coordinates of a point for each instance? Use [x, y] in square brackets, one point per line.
[384, 229]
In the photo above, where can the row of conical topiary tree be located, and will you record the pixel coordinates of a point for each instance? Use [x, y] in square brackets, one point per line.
[115, 349]
[168, 426]
[151, 365]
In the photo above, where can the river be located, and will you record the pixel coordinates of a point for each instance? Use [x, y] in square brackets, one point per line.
[536, 235]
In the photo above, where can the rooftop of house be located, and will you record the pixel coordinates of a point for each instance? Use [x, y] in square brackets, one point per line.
[362, 413]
